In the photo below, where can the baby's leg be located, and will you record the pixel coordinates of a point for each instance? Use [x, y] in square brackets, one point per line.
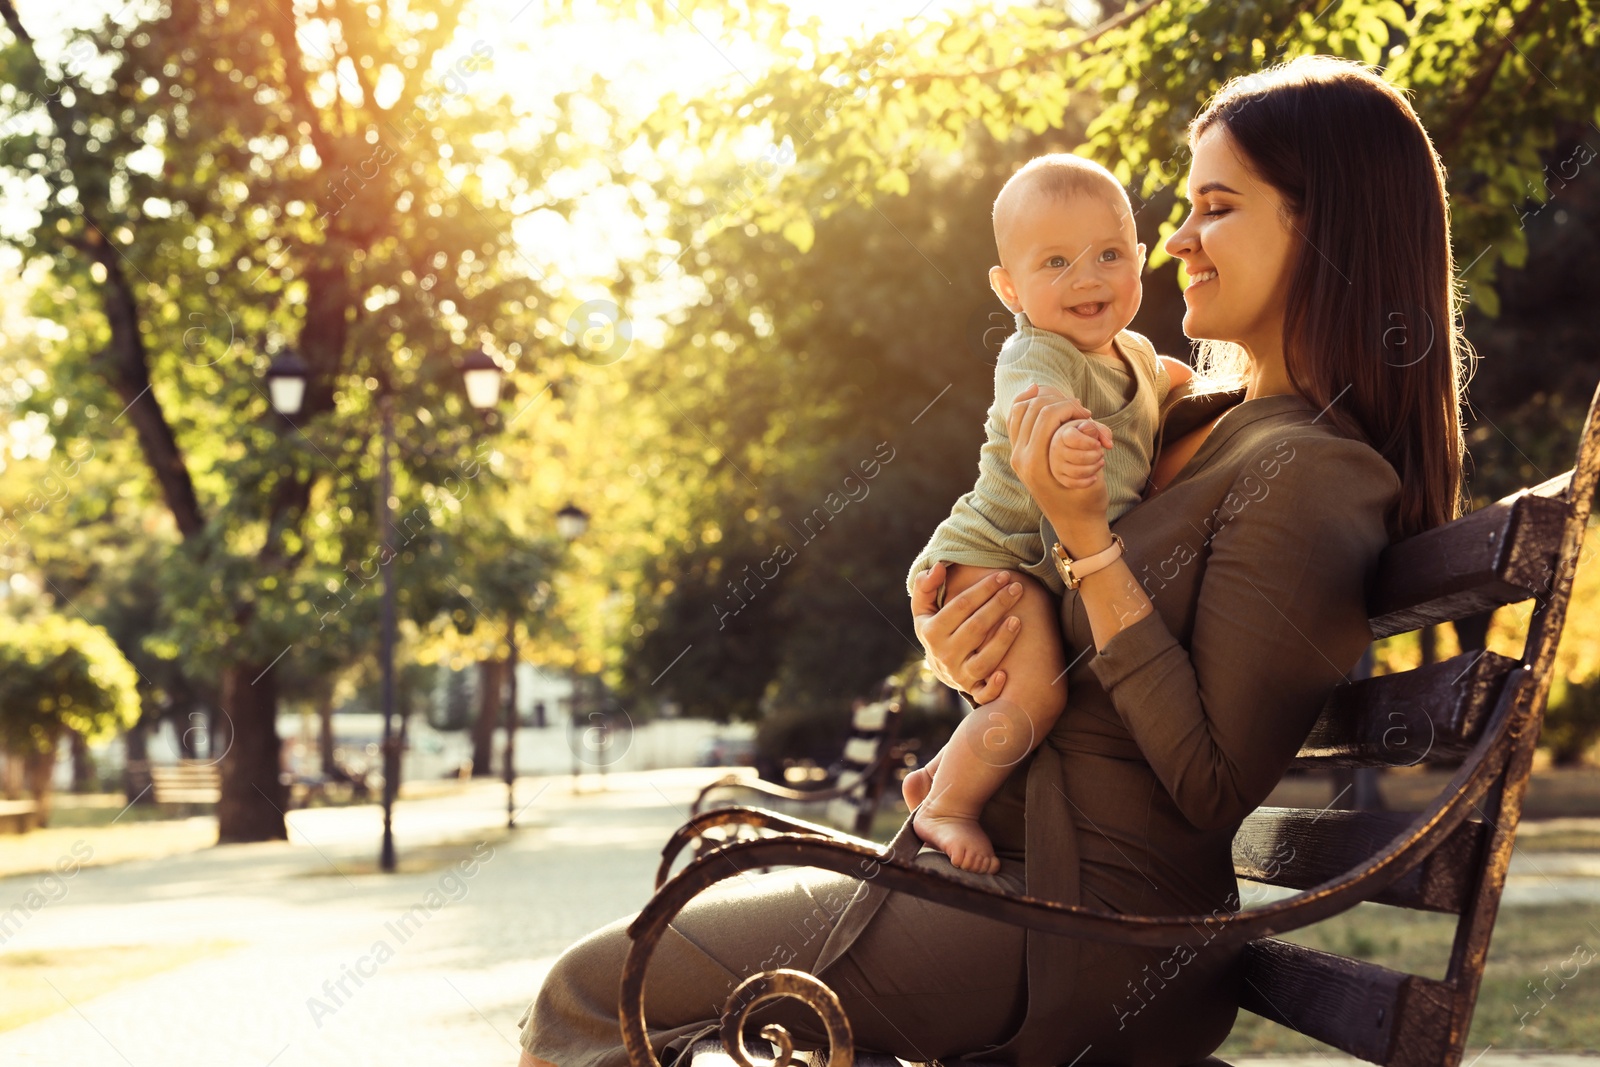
[919, 781]
[993, 739]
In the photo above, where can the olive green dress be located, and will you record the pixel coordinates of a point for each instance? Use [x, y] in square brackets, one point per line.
[1256, 557]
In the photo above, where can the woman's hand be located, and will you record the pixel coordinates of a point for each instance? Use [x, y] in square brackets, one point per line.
[1076, 513]
[967, 638]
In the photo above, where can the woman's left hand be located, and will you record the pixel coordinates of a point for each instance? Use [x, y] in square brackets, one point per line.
[1035, 416]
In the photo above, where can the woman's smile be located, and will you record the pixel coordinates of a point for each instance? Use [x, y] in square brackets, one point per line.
[1197, 280]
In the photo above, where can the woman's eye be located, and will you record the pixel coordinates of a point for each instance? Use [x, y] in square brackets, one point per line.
[1214, 214]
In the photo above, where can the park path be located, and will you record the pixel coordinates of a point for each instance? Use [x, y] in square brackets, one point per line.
[442, 987]
[457, 973]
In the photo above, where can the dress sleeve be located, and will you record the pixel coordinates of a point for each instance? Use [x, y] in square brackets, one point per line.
[1280, 619]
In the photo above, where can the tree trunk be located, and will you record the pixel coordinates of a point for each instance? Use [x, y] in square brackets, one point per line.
[37, 770]
[84, 778]
[330, 770]
[1473, 631]
[489, 710]
[191, 728]
[136, 768]
[220, 736]
[11, 783]
[252, 802]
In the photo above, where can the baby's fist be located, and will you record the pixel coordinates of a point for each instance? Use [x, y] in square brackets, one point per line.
[1077, 453]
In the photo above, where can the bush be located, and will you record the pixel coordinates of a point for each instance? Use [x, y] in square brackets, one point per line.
[1571, 721]
[58, 672]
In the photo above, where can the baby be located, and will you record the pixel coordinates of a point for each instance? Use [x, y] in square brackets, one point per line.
[1069, 270]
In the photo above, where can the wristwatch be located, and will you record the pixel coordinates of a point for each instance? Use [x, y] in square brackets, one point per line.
[1074, 571]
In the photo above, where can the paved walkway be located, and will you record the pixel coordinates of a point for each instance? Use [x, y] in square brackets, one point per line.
[331, 967]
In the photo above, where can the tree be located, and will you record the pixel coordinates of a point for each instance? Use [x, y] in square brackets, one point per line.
[60, 675]
[226, 187]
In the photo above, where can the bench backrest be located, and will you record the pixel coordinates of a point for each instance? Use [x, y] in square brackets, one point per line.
[867, 758]
[184, 782]
[1478, 707]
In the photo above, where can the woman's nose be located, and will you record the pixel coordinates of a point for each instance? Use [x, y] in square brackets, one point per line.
[1183, 241]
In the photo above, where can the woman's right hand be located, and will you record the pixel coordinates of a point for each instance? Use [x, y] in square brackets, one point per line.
[967, 638]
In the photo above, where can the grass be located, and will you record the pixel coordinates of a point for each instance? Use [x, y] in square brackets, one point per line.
[1531, 947]
[34, 985]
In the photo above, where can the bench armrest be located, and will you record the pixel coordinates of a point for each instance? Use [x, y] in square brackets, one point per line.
[757, 818]
[778, 792]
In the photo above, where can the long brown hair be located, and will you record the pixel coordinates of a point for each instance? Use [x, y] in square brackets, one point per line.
[1371, 330]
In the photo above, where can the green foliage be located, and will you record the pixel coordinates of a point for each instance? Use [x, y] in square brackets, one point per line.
[1495, 83]
[256, 192]
[58, 672]
[1572, 721]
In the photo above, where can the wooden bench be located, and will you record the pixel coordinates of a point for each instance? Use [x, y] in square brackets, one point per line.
[1481, 710]
[850, 801]
[17, 816]
[185, 782]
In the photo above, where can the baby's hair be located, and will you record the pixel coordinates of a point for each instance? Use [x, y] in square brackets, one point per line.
[1060, 176]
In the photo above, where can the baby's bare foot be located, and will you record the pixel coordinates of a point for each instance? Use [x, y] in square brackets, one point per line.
[959, 837]
[915, 787]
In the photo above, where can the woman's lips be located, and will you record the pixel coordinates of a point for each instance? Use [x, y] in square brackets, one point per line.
[1200, 278]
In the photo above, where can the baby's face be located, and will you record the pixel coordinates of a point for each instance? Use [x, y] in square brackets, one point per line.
[1073, 265]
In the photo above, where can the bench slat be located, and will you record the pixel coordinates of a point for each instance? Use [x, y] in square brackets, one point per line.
[1350, 1004]
[1429, 714]
[1299, 848]
[869, 718]
[188, 782]
[860, 751]
[1499, 554]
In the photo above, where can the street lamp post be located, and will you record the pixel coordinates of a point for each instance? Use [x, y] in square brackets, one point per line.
[286, 387]
[391, 751]
[572, 522]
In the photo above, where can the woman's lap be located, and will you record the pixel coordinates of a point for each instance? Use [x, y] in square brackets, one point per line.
[921, 980]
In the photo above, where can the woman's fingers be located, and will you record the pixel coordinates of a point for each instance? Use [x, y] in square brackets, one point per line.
[1033, 403]
[925, 591]
[981, 640]
[989, 688]
[937, 627]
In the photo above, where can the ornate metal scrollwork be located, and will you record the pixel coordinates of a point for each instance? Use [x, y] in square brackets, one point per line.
[785, 982]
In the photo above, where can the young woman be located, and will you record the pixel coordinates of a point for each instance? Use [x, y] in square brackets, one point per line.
[1322, 424]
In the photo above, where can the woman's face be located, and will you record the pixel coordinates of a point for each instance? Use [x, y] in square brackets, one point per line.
[1237, 246]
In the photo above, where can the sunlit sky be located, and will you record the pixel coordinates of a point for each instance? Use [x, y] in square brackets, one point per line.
[532, 62]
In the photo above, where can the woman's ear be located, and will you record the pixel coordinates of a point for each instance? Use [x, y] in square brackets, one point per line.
[1000, 282]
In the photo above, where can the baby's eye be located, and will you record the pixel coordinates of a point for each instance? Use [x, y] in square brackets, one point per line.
[1056, 261]
[1108, 255]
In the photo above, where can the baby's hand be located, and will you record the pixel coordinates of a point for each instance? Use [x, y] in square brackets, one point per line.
[1076, 453]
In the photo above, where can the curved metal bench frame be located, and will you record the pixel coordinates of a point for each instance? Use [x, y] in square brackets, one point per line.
[1502, 755]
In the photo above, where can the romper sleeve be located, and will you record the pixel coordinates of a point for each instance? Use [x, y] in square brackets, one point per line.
[1281, 618]
[996, 523]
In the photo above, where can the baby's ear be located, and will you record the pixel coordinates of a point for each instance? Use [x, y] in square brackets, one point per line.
[1000, 282]
[1141, 255]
